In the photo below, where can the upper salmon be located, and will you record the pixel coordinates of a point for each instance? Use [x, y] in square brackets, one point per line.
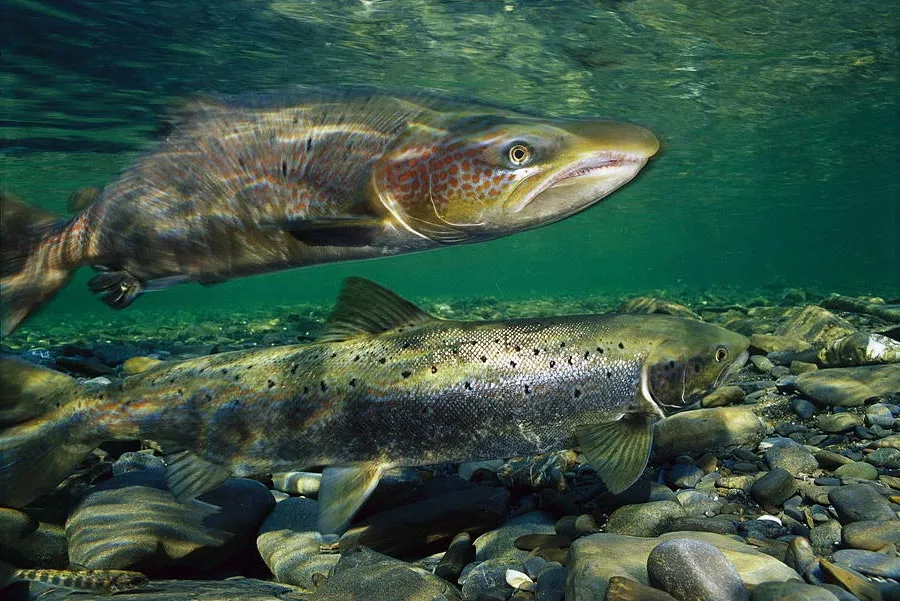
[246, 187]
[386, 384]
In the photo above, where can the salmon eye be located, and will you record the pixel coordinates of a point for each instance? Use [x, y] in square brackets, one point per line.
[519, 154]
[721, 354]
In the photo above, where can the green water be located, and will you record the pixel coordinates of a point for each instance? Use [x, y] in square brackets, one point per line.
[779, 120]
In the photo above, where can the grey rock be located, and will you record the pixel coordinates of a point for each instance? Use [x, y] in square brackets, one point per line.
[871, 535]
[364, 574]
[499, 543]
[551, 583]
[850, 580]
[885, 457]
[857, 469]
[861, 348]
[460, 553]
[838, 422]
[860, 502]
[774, 488]
[42, 544]
[532, 566]
[829, 459]
[802, 367]
[138, 462]
[594, 559]
[791, 591]
[869, 562]
[880, 414]
[784, 378]
[793, 459]
[486, 576]
[762, 363]
[850, 386]
[698, 524]
[692, 569]
[705, 429]
[645, 519]
[626, 589]
[815, 325]
[683, 475]
[825, 537]
[723, 396]
[297, 483]
[800, 554]
[289, 543]
[699, 503]
[773, 343]
[803, 408]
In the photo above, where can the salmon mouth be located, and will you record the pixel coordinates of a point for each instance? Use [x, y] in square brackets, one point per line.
[598, 165]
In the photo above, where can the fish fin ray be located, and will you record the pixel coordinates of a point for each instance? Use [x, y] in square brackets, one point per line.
[117, 289]
[618, 450]
[37, 450]
[364, 307]
[343, 491]
[188, 475]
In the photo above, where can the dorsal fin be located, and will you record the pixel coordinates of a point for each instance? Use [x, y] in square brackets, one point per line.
[364, 307]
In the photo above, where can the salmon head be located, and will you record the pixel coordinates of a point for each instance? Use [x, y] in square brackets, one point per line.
[482, 176]
[693, 358]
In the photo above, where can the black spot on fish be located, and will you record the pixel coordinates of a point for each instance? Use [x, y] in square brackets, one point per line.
[405, 345]
[382, 360]
[562, 345]
[600, 349]
[242, 163]
[352, 382]
[517, 348]
[483, 359]
[474, 342]
[512, 363]
[621, 345]
[323, 386]
[309, 144]
[434, 369]
[237, 378]
[406, 374]
[586, 354]
[284, 168]
[333, 355]
[468, 386]
[608, 374]
[696, 368]
[671, 365]
[306, 390]
[553, 364]
[356, 358]
[527, 389]
[577, 393]
[271, 384]
[181, 391]
[294, 368]
[224, 371]
[569, 360]
[496, 341]
[536, 352]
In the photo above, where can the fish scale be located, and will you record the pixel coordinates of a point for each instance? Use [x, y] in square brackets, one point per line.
[387, 384]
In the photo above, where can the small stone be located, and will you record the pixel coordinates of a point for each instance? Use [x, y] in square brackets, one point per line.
[691, 569]
[861, 348]
[774, 488]
[860, 502]
[869, 562]
[626, 589]
[815, 325]
[519, 580]
[825, 537]
[800, 554]
[723, 396]
[803, 408]
[705, 429]
[802, 367]
[838, 422]
[791, 591]
[683, 475]
[645, 519]
[530, 542]
[771, 343]
[857, 469]
[830, 460]
[533, 566]
[871, 535]
[137, 462]
[856, 584]
[793, 459]
[697, 524]
[879, 414]
[551, 583]
[762, 363]
[460, 553]
[885, 458]
[500, 542]
[850, 386]
[138, 365]
[783, 377]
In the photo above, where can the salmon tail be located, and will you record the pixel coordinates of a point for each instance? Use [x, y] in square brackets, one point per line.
[37, 446]
[34, 260]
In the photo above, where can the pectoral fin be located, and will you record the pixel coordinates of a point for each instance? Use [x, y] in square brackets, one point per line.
[189, 476]
[618, 450]
[343, 491]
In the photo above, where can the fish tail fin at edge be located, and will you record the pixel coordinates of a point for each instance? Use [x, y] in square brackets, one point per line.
[37, 446]
[35, 260]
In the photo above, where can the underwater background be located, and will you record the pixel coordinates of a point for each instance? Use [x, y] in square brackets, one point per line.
[779, 123]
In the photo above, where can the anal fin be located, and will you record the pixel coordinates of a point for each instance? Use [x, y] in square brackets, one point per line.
[189, 476]
[118, 289]
[343, 491]
[618, 450]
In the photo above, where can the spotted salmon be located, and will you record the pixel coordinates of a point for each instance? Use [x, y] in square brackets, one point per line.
[246, 187]
[104, 581]
[386, 384]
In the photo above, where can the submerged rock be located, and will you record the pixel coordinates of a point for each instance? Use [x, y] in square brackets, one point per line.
[704, 429]
[850, 386]
[815, 325]
[861, 348]
[692, 569]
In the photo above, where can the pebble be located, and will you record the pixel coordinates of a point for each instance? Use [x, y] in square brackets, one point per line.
[885, 458]
[791, 591]
[803, 408]
[297, 483]
[683, 475]
[869, 562]
[645, 519]
[879, 414]
[849, 580]
[460, 553]
[762, 363]
[139, 461]
[723, 396]
[289, 543]
[800, 554]
[626, 589]
[692, 569]
[705, 429]
[856, 469]
[772, 343]
[860, 502]
[696, 524]
[838, 422]
[830, 460]
[850, 386]
[774, 487]
[519, 580]
[825, 537]
[138, 365]
[794, 459]
[815, 325]
[802, 367]
[871, 535]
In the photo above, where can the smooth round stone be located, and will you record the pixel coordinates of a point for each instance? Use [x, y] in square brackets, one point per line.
[802, 367]
[871, 535]
[645, 519]
[886, 458]
[800, 554]
[460, 553]
[857, 469]
[879, 414]
[860, 502]
[850, 580]
[138, 462]
[684, 475]
[803, 408]
[794, 459]
[774, 488]
[830, 460]
[838, 422]
[691, 569]
[14, 525]
[825, 537]
[626, 589]
[849, 386]
[138, 365]
[762, 363]
[723, 396]
[297, 483]
[500, 542]
[697, 524]
[869, 562]
[791, 590]
[551, 583]
[719, 427]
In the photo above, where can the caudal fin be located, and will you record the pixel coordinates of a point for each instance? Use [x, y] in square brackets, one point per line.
[38, 447]
[32, 263]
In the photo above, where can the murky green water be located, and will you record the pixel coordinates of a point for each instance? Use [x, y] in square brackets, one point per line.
[780, 123]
